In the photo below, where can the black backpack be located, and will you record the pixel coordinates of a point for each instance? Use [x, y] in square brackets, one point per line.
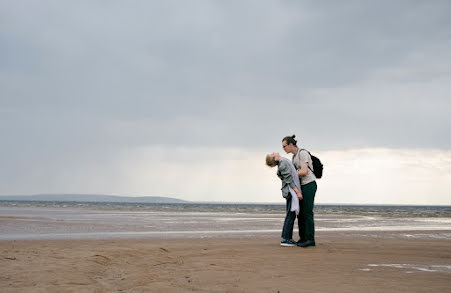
[317, 165]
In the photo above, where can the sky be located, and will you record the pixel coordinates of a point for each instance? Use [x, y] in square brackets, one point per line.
[185, 98]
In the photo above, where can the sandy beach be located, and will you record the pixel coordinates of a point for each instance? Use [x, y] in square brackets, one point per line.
[336, 264]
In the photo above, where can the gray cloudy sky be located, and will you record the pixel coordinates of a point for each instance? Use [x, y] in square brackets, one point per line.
[92, 92]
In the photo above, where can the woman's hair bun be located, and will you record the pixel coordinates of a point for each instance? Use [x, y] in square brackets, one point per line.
[290, 139]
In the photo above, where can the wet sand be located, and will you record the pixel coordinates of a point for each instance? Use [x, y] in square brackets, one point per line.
[336, 264]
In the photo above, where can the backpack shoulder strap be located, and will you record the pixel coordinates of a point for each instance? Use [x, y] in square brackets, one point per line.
[309, 155]
[304, 150]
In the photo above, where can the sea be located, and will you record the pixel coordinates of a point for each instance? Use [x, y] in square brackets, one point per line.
[21, 220]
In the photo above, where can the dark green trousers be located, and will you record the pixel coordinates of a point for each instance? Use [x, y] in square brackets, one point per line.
[306, 223]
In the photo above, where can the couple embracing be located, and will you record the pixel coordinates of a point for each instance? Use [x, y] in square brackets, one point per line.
[298, 188]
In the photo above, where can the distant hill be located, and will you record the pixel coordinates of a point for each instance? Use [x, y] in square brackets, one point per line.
[92, 198]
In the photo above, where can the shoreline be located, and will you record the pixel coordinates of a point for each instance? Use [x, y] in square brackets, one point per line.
[403, 234]
[336, 264]
[71, 223]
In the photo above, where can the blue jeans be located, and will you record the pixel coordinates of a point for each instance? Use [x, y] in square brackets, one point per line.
[287, 230]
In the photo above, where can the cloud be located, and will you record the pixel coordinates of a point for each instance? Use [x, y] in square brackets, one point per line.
[210, 63]
[361, 176]
[386, 176]
[86, 80]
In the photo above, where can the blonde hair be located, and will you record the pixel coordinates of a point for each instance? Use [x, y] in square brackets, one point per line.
[270, 161]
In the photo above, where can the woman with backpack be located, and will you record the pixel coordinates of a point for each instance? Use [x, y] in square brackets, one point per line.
[302, 161]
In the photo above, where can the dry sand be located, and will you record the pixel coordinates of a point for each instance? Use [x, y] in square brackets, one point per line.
[225, 265]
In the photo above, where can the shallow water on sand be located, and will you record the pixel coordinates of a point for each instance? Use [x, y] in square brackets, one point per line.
[98, 221]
